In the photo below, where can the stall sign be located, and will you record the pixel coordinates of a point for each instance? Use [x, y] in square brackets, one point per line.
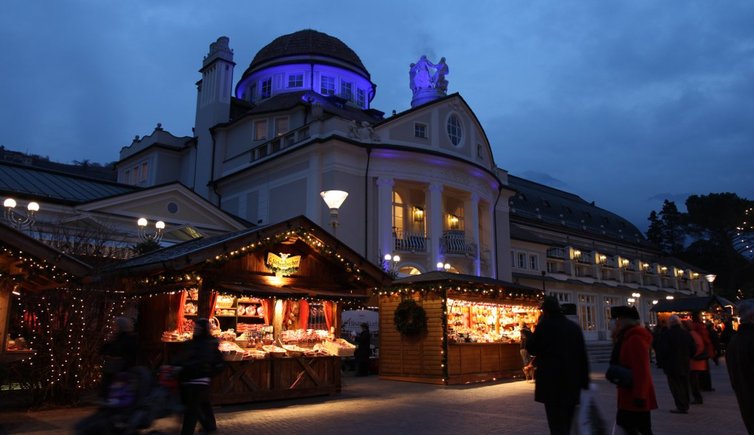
[283, 264]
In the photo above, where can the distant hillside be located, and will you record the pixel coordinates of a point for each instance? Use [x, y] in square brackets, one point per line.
[89, 169]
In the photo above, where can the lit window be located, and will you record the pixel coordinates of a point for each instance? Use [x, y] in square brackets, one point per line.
[267, 88]
[361, 97]
[281, 126]
[455, 132]
[420, 130]
[398, 212]
[295, 80]
[260, 130]
[327, 86]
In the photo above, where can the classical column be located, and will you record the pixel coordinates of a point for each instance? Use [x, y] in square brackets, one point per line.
[385, 215]
[472, 211]
[435, 213]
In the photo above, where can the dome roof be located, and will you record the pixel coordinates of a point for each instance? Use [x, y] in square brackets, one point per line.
[306, 43]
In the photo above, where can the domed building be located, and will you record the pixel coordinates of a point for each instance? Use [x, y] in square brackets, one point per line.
[422, 184]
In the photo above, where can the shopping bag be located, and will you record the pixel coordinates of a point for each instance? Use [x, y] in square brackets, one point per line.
[588, 419]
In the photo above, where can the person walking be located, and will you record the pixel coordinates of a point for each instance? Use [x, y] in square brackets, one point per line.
[697, 364]
[739, 358]
[562, 365]
[631, 350]
[120, 354]
[201, 360]
[705, 379]
[525, 334]
[674, 350]
[363, 351]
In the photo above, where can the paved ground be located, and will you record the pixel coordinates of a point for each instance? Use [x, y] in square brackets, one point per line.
[373, 406]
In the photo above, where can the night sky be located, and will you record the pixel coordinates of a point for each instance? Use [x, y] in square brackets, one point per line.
[624, 103]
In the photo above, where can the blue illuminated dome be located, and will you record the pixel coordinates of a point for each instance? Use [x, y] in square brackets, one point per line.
[307, 60]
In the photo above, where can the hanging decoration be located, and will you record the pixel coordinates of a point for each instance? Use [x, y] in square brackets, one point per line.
[283, 264]
[410, 318]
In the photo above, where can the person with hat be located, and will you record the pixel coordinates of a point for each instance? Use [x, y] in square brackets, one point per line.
[631, 350]
[739, 358]
[562, 372]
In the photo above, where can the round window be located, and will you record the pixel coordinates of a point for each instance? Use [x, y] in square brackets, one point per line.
[455, 131]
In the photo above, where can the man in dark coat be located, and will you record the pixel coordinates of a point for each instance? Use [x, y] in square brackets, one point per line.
[363, 351]
[674, 349]
[740, 361]
[121, 353]
[562, 366]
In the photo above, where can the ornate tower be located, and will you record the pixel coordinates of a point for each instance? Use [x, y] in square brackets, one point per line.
[214, 92]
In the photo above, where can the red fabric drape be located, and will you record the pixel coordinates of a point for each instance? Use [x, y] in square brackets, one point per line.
[181, 308]
[267, 305]
[329, 308]
[212, 303]
[303, 314]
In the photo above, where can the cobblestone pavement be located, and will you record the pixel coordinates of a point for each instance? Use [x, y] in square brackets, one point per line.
[373, 406]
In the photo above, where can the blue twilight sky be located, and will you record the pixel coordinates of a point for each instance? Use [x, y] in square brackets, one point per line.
[625, 103]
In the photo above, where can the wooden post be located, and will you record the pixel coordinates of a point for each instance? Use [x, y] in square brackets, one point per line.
[205, 294]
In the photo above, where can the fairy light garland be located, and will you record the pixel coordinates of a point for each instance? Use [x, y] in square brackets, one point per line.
[304, 235]
[492, 293]
[32, 265]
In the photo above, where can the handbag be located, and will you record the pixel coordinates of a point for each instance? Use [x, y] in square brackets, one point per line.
[619, 375]
[701, 356]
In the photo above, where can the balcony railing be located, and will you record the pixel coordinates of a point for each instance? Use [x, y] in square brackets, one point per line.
[410, 242]
[279, 143]
[561, 253]
[454, 242]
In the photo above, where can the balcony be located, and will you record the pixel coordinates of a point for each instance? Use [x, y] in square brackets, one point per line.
[405, 241]
[561, 253]
[454, 242]
[278, 144]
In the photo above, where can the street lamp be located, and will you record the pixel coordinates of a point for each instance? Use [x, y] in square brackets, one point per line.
[150, 237]
[710, 279]
[390, 264]
[443, 266]
[334, 199]
[20, 219]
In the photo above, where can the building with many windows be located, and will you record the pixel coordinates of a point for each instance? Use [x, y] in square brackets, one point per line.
[422, 183]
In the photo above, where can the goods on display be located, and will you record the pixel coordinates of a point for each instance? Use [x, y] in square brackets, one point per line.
[482, 322]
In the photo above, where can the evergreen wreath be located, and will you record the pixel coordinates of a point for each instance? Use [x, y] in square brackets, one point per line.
[410, 318]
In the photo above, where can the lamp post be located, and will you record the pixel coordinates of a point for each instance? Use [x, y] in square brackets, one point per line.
[146, 236]
[443, 266]
[334, 199]
[19, 219]
[710, 279]
[390, 264]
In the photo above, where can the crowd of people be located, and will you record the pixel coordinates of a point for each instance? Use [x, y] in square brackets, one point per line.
[684, 348]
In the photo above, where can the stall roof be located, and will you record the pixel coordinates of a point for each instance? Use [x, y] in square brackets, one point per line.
[461, 279]
[50, 262]
[701, 303]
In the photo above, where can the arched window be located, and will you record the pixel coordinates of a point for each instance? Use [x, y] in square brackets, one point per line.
[399, 213]
[455, 130]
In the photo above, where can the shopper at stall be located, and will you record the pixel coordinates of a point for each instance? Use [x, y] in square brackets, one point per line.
[202, 359]
[674, 350]
[631, 350]
[363, 351]
[740, 361]
[120, 354]
[562, 366]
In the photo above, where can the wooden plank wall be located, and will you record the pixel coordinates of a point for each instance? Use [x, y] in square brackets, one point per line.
[407, 358]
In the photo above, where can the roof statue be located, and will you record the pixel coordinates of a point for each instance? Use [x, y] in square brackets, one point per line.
[427, 80]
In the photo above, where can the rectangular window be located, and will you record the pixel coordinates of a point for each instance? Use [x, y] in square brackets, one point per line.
[420, 130]
[144, 171]
[267, 88]
[533, 262]
[260, 129]
[327, 85]
[345, 90]
[521, 260]
[361, 97]
[281, 126]
[295, 80]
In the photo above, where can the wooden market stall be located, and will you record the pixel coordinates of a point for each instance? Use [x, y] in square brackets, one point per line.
[714, 308]
[275, 294]
[471, 331]
[28, 265]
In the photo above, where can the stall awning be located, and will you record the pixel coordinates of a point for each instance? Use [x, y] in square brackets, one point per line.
[701, 303]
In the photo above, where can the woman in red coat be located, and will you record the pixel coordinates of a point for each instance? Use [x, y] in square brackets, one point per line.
[697, 366]
[631, 350]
